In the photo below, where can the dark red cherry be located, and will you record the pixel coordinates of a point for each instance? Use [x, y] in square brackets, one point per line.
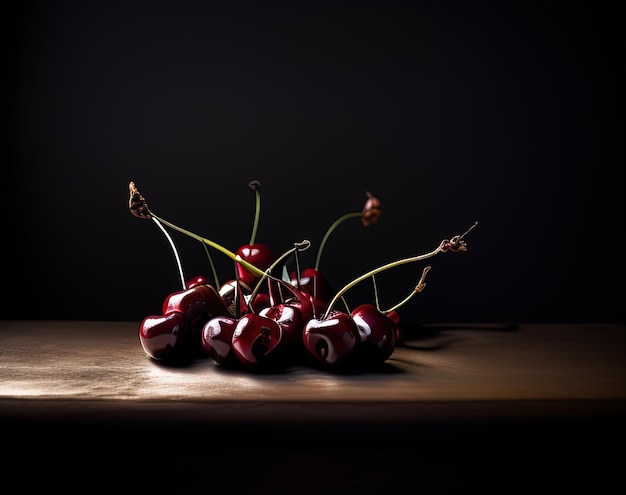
[259, 255]
[198, 304]
[217, 336]
[258, 342]
[395, 317]
[166, 337]
[312, 282]
[331, 340]
[378, 334]
[290, 320]
[195, 281]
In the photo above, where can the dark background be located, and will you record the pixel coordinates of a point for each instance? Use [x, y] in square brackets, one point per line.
[507, 113]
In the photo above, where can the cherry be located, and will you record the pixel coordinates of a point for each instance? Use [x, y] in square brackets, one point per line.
[195, 300]
[258, 342]
[314, 283]
[394, 316]
[198, 304]
[216, 340]
[195, 281]
[379, 333]
[165, 337]
[331, 340]
[257, 254]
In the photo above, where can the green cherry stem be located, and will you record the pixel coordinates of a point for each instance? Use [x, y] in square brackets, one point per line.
[369, 215]
[208, 255]
[440, 249]
[330, 230]
[255, 185]
[375, 292]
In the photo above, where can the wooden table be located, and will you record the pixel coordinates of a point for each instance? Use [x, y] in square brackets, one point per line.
[457, 408]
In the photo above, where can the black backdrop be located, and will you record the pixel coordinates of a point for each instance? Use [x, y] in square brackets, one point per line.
[506, 113]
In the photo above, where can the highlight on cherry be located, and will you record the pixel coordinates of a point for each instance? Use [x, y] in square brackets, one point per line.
[270, 313]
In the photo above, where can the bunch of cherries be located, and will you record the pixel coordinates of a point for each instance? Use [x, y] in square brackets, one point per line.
[263, 322]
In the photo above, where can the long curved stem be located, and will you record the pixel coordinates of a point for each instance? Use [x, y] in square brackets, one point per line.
[329, 231]
[439, 249]
[215, 277]
[178, 263]
[257, 214]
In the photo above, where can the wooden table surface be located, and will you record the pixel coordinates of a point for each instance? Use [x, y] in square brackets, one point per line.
[448, 387]
[104, 361]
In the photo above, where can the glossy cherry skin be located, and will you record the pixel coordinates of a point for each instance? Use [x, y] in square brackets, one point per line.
[259, 255]
[165, 337]
[195, 281]
[258, 342]
[195, 301]
[198, 304]
[331, 340]
[312, 282]
[395, 317]
[290, 320]
[378, 334]
[216, 341]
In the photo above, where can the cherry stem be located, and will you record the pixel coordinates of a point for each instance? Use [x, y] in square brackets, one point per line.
[237, 295]
[298, 246]
[235, 257]
[418, 288]
[298, 281]
[256, 186]
[376, 300]
[330, 230]
[215, 277]
[178, 263]
[440, 249]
